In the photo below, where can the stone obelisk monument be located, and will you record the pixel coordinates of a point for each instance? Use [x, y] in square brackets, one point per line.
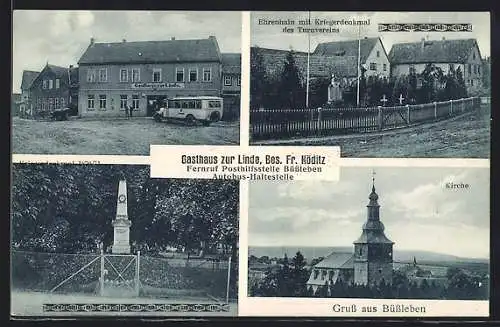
[121, 224]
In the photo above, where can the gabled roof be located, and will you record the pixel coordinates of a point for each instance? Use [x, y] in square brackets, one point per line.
[336, 260]
[28, 77]
[200, 50]
[319, 65]
[438, 51]
[347, 48]
[231, 63]
[59, 72]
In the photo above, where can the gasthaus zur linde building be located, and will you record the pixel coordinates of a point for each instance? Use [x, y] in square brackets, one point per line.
[142, 74]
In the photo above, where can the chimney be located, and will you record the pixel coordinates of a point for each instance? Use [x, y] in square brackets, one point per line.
[444, 38]
[70, 66]
[124, 40]
[172, 38]
[366, 37]
[211, 37]
[92, 40]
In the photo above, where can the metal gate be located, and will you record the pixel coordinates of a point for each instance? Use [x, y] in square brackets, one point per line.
[119, 275]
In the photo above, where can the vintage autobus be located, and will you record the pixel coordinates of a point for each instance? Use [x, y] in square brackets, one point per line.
[204, 109]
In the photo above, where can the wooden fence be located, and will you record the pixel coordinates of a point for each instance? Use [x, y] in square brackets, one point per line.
[288, 123]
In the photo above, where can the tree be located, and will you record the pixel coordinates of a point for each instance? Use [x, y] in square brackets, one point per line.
[298, 275]
[462, 89]
[258, 78]
[432, 79]
[291, 89]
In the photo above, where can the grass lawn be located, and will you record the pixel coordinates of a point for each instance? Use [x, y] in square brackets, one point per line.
[466, 136]
[25, 304]
[113, 137]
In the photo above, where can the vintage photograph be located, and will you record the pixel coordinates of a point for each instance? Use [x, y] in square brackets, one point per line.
[109, 240]
[114, 82]
[377, 84]
[388, 233]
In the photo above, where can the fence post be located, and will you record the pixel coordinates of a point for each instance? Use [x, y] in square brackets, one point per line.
[319, 120]
[101, 291]
[435, 111]
[228, 278]
[137, 266]
[408, 113]
[451, 107]
[379, 118]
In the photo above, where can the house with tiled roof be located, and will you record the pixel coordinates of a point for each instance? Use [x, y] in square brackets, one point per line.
[372, 54]
[143, 74]
[52, 89]
[25, 104]
[459, 53]
[231, 84]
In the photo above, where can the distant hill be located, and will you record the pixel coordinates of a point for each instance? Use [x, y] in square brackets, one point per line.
[399, 255]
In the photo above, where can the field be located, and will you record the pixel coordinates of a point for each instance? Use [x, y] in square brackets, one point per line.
[31, 304]
[113, 136]
[466, 136]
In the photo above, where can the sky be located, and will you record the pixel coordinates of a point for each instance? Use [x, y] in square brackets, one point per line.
[271, 36]
[61, 37]
[418, 212]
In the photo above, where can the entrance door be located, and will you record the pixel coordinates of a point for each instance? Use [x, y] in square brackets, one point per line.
[154, 103]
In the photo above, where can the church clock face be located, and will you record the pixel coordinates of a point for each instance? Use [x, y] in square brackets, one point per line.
[122, 198]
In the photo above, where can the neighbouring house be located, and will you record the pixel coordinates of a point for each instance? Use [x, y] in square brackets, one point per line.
[231, 85]
[15, 102]
[445, 54]
[52, 89]
[372, 54]
[143, 74]
[26, 105]
[416, 273]
[372, 260]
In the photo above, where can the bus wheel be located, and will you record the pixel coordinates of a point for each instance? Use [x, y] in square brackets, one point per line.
[190, 120]
[215, 116]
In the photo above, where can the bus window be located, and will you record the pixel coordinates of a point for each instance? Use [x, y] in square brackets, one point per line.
[184, 104]
[191, 104]
[198, 104]
[173, 104]
[214, 104]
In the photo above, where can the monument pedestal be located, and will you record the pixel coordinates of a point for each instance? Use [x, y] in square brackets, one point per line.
[121, 241]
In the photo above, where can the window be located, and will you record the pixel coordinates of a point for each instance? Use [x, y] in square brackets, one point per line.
[45, 83]
[207, 74]
[316, 273]
[136, 75]
[90, 102]
[385, 67]
[474, 56]
[193, 74]
[103, 75]
[135, 102]
[238, 81]
[58, 83]
[179, 74]
[123, 102]
[469, 68]
[227, 80]
[123, 75]
[51, 103]
[156, 75]
[471, 82]
[373, 66]
[214, 104]
[63, 103]
[51, 83]
[102, 101]
[56, 103]
[91, 75]
[378, 54]
[479, 70]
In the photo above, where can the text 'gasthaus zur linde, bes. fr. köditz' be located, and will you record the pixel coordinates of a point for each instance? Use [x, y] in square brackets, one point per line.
[255, 167]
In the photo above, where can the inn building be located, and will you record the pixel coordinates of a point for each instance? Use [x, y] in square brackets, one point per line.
[143, 74]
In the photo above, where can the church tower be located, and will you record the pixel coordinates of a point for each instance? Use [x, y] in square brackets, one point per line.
[373, 250]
